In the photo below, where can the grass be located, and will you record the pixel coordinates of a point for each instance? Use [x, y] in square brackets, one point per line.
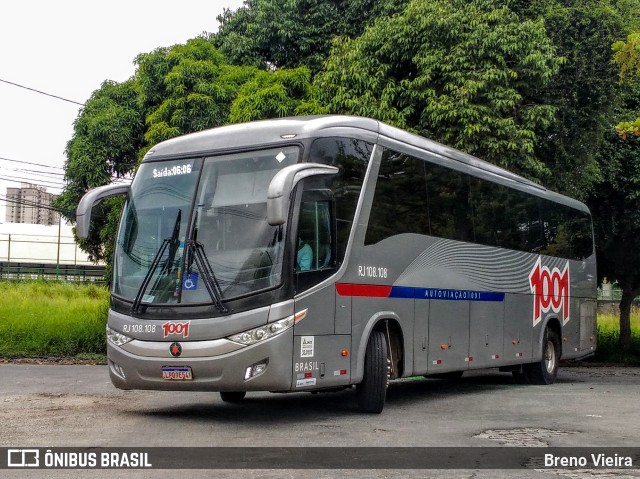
[608, 334]
[39, 318]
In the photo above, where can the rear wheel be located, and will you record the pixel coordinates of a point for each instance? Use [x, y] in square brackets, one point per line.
[232, 396]
[545, 371]
[372, 391]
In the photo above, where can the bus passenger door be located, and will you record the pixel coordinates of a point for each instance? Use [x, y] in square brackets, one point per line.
[448, 335]
[317, 354]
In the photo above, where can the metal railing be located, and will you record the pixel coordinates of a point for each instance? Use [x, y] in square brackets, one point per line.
[609, 294]
[52, 272]
[46, 257]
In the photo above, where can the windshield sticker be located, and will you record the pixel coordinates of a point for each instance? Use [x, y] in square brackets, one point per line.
[280, 157]
[190, 282]
[173, 171]
[306, 346]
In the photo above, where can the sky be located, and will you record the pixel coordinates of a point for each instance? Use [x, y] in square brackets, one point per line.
[68, 48]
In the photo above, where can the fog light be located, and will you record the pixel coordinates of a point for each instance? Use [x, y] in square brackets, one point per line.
[117, 370]
[256, 369]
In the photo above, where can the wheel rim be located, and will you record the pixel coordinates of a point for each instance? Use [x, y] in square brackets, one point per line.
[550, 357]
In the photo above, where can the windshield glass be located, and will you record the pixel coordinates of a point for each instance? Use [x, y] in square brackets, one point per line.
[152, 230]
[229, 229]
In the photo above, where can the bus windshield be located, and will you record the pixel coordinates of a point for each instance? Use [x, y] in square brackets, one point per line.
[229, 242]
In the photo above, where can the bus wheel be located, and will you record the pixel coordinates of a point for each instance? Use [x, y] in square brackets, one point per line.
[232, 396]
[545, 371]
[372, 391]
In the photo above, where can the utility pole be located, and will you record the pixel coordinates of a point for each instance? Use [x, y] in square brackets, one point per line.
[58, 256]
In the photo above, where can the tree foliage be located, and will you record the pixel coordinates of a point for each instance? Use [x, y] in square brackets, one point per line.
[466, 73]
[615, 205]
[176, 90]
[272, 94]
[294, 33]
[627, 57]
[107, 136]
[585, 92]
[187, 88]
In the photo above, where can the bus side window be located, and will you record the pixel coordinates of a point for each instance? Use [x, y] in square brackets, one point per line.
[314, 251]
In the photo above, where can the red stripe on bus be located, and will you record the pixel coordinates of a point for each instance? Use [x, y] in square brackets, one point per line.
[367, 290]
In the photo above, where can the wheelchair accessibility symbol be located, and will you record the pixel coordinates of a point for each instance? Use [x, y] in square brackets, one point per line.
[190, 282]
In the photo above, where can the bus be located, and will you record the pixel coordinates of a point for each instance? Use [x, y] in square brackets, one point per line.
[319, 253]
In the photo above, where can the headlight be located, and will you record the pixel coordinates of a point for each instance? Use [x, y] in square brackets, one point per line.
[117, 338]
[268, 331]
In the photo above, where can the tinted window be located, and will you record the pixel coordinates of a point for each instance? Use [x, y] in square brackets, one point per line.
[568, 232]
[314, 236]
[415, 196]
[351, 157]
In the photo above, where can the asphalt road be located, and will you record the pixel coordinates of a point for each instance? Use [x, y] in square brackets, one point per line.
[76, 406]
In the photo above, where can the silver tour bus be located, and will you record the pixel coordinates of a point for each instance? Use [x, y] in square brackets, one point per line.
[317, 253]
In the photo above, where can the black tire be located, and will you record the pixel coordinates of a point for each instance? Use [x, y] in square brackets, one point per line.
[372, 391]
[232, 396]
[545, 371]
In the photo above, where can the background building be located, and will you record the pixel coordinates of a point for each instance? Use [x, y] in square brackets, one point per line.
[31, 204]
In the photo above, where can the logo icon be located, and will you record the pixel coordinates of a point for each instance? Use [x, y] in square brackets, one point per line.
[181, 329]
[551, 290]
[175, 349]
[23, 458]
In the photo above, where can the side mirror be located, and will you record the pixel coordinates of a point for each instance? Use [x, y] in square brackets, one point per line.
[92, 198]
[283, 183]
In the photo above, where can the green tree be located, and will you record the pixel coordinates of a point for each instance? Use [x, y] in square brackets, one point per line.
[615, 205]
[466, 73]
[174, 91]
[107, 136]
[187, 88]
[585, 91]
[627, 57]
[271, 95]
[293, 33]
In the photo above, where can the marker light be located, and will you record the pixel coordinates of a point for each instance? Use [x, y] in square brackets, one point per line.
[117, 338]
[255, 335]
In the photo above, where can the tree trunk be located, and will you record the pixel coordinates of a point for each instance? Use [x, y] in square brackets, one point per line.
[625, 319]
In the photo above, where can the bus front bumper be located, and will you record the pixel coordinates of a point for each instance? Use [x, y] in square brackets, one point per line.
[225, 372]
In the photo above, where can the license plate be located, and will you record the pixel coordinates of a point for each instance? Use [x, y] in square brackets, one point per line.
[179, 373]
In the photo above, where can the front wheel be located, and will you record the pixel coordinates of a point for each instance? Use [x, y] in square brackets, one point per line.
[545, 371]
[372, 391]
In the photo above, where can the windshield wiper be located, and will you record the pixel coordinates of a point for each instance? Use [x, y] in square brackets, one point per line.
[171, 242]
[197, 253]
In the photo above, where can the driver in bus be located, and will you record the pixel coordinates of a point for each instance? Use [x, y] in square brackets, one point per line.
[305, 255]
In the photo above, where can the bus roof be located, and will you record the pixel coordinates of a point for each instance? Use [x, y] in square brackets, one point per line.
[271, 132]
